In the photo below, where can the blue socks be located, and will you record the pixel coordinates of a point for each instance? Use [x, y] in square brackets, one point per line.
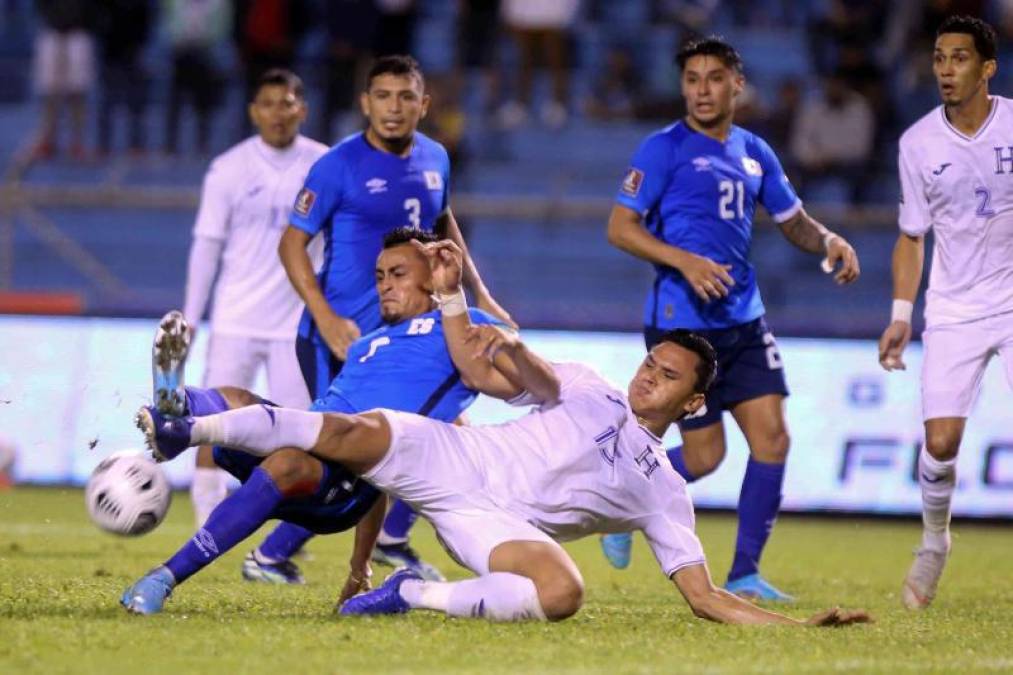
[203, 402]
[232, 521]
[759, 502]
[283, 542]
[399, 520]
[675, 457]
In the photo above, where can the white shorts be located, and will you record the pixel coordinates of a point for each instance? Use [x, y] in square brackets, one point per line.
[234, 361]
[64, 62]
[428, 467]
[955, 357]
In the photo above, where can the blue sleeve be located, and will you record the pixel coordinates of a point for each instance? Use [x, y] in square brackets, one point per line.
[479, 316]
[320, 195]
[776, 193]
[649, 174]
[445, 199]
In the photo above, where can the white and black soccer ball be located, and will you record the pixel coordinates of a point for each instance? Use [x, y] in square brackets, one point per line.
[127, 494]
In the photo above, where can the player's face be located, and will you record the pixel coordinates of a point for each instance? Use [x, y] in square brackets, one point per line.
[663, 385]
[394, 106]
[277, 113]
[959, 69]
[403, 282]
[710, 88]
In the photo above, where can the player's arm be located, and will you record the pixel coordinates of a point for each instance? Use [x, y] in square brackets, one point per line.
[366, 532]
[446, 226]
[209, 232]
[626, 231]
[908, 261]
[716, 604]
[812, 236]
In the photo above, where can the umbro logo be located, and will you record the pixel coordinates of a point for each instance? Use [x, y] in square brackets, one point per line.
[701, 164]
[941, 169]
[376, 185]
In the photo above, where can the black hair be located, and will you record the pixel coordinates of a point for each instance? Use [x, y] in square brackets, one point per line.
[395, 64]
[986, 43]
[403, 235]
[712, 45]
[283, 78]
[707, 364]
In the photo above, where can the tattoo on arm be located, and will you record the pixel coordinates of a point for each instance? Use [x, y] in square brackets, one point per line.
[804, 232]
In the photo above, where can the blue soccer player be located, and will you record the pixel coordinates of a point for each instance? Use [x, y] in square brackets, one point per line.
[370, 183]
[686, 205]
[403, 365]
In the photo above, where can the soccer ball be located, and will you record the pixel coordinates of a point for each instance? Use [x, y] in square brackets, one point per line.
[127, 494]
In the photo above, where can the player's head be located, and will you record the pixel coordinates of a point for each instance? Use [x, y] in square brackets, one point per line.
[394, 101]
[711, 79]
[403, 280]
[964, 58]
[673, 377]
[278, 107]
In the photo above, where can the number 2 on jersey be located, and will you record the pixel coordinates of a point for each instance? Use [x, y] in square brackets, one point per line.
[414, 208]
[731, 191]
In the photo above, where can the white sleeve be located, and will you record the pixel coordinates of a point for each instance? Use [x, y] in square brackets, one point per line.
[214, 212]
[669, 531]
[913, 215]
[204, 255]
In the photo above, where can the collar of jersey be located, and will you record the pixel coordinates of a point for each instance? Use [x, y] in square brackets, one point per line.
[981, 130]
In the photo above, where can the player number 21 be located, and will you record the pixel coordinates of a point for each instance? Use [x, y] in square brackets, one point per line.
[731, 192]
[414, 208]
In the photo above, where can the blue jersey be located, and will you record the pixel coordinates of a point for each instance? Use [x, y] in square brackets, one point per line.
[356, 194]
[700, 194]
[404, 366]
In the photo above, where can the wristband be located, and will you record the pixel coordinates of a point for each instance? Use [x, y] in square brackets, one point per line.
[902, 310]
[452, 304]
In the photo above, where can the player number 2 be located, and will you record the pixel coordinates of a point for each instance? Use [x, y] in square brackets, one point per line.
[731, 192]
[773, 356]
[414, 208]
[984, 206]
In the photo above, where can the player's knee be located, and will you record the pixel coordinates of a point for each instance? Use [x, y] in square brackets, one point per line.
[238, 398]
[942, 444]
[294, 472]
[561, 595]
[773, 447]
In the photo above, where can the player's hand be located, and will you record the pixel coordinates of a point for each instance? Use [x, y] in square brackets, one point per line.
[487, 340]
[486, 303]
[446, 264]
[339, 333]
[709, 280]
[357, 582]
[839, 251]
[839, 617]
[892, 344]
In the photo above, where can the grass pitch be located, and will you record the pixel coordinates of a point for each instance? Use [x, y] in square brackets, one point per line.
[60, 580]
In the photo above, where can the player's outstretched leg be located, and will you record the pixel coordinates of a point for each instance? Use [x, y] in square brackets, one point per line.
[937, 479]
[169, 350]
[392, 547]
[148, 594]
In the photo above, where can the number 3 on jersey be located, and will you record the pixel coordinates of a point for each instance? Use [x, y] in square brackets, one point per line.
[731, 191]
[414, 208]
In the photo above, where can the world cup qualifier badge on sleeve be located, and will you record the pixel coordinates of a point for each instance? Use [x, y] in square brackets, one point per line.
[304, 201]
[632, 182]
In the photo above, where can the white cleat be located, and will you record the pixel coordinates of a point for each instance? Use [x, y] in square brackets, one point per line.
[168, 361]
[923, 578]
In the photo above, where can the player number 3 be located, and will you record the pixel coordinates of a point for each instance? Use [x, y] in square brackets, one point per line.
[414, 208]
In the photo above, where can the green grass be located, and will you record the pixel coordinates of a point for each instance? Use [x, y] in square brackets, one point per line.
[60, 580]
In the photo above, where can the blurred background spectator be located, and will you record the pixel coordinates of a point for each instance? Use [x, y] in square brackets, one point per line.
[124, 27]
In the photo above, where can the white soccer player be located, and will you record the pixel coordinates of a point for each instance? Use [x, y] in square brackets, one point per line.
[245, 206]
[588, 460]
[956, 174]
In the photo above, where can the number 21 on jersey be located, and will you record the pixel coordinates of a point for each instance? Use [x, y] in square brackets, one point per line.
[732, 195]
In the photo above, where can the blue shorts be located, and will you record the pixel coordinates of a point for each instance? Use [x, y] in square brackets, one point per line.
[318, 365]
[749, 366]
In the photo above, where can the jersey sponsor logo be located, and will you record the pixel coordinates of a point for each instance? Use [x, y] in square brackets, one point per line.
[752, 167]
[701, 164]
[941, 169]
[434, 181]
[304, 201]
[376, 185]
[631, 184]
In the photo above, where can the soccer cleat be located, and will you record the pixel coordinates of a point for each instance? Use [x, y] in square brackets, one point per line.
[165, 436]
[383, 600]
[403, 555]
[168, 361]
[923, 578]
[149, 593]
[755, 587]
[617, 549]
[281, 572]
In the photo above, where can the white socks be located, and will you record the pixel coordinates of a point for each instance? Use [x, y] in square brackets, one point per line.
[259, 429]
[497, 596]
[207, 490]
[937, 480]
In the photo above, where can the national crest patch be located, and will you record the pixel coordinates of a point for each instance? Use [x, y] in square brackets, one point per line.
[304, 202]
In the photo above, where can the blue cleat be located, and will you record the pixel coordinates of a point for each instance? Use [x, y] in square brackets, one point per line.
[168, 361]
[617, 549]
[164, 435]
[383, 600]
[280, 572]
[755, 587]
[150, 592]
[403, 555]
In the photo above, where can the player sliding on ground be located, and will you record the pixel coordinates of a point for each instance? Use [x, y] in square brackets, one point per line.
[587, 460]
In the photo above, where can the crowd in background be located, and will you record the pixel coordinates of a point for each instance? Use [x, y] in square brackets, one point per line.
[868, 71]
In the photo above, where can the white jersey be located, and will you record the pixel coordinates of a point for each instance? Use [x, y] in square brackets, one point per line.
[586, 466]
[962, 188]
[247, 198]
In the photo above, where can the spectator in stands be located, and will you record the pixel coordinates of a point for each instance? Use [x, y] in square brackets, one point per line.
[64, 70]
[540, 30]
[350, 26]
[833, 135]
[194, 28]
[615, 92]
[124, 27]
[477, 38]
[395, 28]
